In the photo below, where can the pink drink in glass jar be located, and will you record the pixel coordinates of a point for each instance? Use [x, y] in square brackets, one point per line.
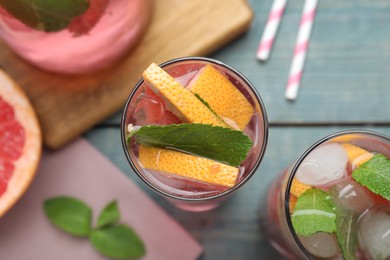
[145, 107]
[97, 38]
[333, 203]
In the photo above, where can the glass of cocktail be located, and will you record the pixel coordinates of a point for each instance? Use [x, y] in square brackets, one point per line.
[73, 37]
[194, 130]
[334, 202]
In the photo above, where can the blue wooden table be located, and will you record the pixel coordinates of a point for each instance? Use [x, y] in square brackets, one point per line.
[344, 86]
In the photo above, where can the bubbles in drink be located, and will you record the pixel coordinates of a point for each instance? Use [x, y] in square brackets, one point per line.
[321, 245]
[323, 166]
[374, 232]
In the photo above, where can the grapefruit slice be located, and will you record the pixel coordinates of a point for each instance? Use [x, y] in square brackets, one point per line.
[297, 188]
[186, 165]
[182, 102]
[20, 142]
[356, 155]
[222, 96]
[292, 202]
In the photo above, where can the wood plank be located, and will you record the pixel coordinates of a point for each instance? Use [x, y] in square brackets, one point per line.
[347, 68]
[231, 231]
[69, 105]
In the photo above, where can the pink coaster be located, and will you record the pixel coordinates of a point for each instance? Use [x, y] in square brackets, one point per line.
[79, 170]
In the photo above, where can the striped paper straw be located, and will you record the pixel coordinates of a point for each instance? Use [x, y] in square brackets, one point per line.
[271, 29]
[301, 47]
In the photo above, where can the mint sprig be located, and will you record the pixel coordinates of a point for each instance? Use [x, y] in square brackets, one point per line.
[213, 142]
[49, 16]
[346, 232]
[375, 175]
[108, 237]
[314, 212]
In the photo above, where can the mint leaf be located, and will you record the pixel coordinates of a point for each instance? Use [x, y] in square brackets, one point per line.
[71, 215]
[346, 232]
[375, 175]
[314, 212]
[45, 15]
[119, 242]
[109, 215]
[213, 142]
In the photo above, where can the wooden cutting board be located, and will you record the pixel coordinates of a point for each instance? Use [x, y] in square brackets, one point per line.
[69, 105]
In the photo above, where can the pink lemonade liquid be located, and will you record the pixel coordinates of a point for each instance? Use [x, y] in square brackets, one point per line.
[103, 35]
[147, 108]
[361, 217]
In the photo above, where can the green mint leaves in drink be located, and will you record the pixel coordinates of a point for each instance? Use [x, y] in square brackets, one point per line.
[375, 175]
[346, 232]
[45, 15]
[314, 212]
[213, 142]
[108, 237]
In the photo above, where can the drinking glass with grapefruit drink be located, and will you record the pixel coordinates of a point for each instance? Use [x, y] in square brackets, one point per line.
[194, 130]
[334, 202]
[73, 36]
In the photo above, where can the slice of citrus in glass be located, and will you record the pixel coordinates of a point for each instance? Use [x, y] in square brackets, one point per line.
[297, 188]
[20, 142]
[188, 166]
[222, 96]
[182, 102]
[356, 155]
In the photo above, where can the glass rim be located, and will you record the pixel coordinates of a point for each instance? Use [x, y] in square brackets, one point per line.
[264, 122]
[297, 165]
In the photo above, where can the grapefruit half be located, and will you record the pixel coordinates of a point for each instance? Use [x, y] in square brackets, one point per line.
[20, 142]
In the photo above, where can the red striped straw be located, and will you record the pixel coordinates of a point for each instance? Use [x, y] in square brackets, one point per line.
[301, 47]
[271, 29]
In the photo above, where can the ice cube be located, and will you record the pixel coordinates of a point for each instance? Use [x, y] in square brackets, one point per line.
[374, 232]
[321, 245]
[147, 109]
[324, 165]
[181, 186]
[351, 195]
[165, 179]
[185, 79]
[150, 109]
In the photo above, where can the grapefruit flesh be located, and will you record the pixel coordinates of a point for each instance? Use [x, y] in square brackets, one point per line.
[20, 142]
[356, 155]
